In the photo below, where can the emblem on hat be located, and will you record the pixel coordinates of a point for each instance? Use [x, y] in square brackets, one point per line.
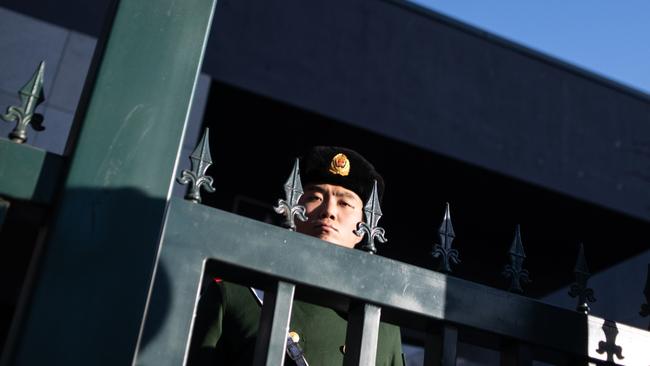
[340, 165]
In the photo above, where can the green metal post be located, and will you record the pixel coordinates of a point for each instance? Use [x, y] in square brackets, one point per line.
[432, 349]
[88, 302]
[440, 350]
[271, 341]
[362, 335]
[449, 345]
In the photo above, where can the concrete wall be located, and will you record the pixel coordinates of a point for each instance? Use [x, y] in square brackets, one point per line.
[67, 55]
[444, 87]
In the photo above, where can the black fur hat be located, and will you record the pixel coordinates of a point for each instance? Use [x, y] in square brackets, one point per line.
[342, 167]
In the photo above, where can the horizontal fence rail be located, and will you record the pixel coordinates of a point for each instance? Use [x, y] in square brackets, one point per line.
[406, 295]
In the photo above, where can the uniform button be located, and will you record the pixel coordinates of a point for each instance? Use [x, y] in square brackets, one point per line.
[342, 349]
[294, 336]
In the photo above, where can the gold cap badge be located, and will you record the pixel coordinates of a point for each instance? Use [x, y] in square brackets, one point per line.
[340, 165]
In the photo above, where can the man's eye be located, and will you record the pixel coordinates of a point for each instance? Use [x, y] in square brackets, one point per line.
[346, 204]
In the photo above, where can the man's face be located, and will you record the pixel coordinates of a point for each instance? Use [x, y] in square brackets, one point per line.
[333, 213]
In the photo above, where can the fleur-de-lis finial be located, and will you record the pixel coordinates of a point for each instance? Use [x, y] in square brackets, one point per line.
[373, 213]
[645, 308]
[514, 271]
[200, 160]
[31, 95]
[290, 207]
[443, 249]
[579, 288]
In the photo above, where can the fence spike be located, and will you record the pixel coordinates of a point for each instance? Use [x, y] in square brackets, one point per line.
[443, 249]
[645, 308]
[372, 211]
[31, 95]
[515, 271]
[201, 160]
[289, 207]
[579, 288]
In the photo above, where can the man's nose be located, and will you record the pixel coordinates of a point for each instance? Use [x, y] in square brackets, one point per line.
[328, 209]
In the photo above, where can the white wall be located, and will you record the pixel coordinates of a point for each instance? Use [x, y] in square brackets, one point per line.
[618, 291]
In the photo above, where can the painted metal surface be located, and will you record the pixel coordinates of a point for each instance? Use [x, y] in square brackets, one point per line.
[28, 173]
[88, 301]
[441, 348]
[362, 335]
[270, 346]
[289, 206]
[432, 349]
[372, 213]
[515, 270]
[196, 177]
[579, 288]
[194, 233]
[449, 345]
[447, 254]
[31, 95]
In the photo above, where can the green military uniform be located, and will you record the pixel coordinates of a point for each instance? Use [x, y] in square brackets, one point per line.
[228, 318]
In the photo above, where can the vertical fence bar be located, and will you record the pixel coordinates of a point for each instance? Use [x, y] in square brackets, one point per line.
[441, 350]
[516, 354]
[271, 341]
[362, 335]
[449, 345]
[432, 350]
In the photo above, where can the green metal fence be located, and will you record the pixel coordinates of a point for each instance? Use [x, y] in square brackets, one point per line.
[122, 264]
[444, 307]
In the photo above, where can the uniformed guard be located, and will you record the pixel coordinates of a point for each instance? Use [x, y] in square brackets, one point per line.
[337, 182]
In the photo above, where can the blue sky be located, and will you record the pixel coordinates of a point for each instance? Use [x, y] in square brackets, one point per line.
[609, 38]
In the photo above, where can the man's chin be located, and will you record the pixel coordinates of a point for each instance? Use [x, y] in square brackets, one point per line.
[328, 237]
[335, 241]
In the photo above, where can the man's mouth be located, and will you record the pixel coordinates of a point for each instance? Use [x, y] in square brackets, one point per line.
[325, 227]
